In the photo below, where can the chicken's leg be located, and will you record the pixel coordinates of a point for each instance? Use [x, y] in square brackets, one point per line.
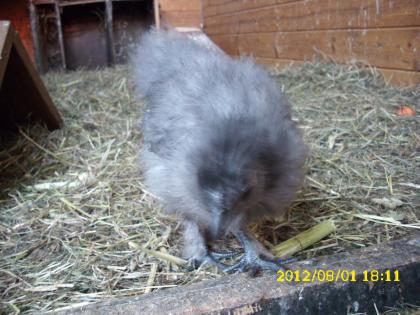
[196, 250]
[256, 257]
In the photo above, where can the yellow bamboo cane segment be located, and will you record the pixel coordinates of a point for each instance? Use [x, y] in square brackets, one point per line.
[304, 239]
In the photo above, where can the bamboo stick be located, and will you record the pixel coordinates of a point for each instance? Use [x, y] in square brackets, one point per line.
[304, 239]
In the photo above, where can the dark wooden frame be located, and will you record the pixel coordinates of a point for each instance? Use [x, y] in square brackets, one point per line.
[58, 6]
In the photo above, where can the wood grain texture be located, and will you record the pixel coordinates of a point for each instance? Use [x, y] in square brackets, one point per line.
[227, 6]
[180, 13]
[181, 18]
[219, 2]
[275, 62]
[390, 48]
[179, 5]
[240, 6]
[314, 15]
[382, 33]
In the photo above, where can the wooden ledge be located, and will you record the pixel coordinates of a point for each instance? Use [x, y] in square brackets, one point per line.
[240, 294]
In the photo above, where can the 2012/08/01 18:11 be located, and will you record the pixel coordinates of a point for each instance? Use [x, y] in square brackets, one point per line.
[331, 275]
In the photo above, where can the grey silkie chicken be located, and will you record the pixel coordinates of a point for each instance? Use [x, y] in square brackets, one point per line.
[220, 148]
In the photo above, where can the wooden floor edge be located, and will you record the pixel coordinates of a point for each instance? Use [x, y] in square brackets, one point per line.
[241, 294]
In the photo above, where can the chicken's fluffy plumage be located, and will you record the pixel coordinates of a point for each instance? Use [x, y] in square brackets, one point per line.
[220, 149]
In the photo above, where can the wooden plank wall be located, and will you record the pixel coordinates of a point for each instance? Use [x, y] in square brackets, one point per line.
[382, 33]
[180, 13]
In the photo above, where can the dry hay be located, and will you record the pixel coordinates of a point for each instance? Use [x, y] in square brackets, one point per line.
[75, 217]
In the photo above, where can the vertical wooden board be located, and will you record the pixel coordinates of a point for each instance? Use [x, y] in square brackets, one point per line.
[317, 15]
[60, 33]
[156, 11]
[109, 24]
[36, 33]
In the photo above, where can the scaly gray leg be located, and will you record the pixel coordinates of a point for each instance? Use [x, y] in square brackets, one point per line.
[256, 257]
[195, 248]
[228, 254]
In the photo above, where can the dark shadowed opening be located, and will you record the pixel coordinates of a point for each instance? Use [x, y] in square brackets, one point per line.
[85, 36]
[131, 20]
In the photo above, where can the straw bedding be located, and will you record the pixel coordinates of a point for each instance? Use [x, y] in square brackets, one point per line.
[77, 225]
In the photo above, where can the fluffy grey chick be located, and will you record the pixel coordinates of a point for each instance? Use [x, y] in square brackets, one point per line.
[220, 149]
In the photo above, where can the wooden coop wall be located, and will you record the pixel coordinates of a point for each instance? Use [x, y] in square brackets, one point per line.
[180, 13]
[382, 33]
[83, 25]
[17, 12]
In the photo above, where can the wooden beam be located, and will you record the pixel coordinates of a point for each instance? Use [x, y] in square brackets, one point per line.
[109, 32]
[57, 10]
[36, 2]
[64, 3]
[157, 13]
[33, 16]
